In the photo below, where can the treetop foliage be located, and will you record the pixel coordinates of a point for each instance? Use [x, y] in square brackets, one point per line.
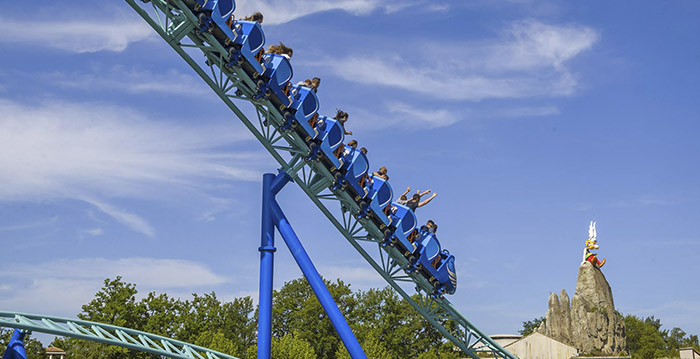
[385, 325]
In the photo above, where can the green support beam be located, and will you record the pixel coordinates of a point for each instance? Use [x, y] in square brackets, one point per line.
[108, 334]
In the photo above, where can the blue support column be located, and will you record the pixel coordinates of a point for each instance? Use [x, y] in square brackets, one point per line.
[317, 284]
[267, 253]
[15, 349]
[271, 186]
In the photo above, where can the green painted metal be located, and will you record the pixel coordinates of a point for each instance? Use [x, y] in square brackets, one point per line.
[177, 25]
[108, 334]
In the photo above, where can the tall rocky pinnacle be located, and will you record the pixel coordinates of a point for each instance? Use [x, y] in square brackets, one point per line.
[590, 322]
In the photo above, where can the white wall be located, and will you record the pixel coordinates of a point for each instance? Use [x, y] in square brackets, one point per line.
[538, 346]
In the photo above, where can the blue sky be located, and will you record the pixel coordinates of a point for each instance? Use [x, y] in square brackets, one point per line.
[528, 118]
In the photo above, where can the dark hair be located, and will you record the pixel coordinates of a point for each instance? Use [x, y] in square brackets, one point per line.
[280, 49]
[403, 197]
[363, 150]
[352, 143]
[416, 196]
[430, 221]
[258, 16]
[340, 114]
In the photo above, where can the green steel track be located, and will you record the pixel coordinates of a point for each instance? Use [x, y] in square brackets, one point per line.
[178, 26]
[108, 334]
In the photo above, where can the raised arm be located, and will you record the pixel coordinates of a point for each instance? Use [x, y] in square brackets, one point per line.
[407, 190]
[424, 193]
[427, 200]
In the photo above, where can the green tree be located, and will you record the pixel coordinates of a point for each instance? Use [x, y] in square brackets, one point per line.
[162, 315]
[289, 346]
[531, 325]
[382, 314]
[645, 340]
[114, 304]
[295, 309]
[205, 313]
[691, 341]
[33, 347]
[217, 341]
[373, 348]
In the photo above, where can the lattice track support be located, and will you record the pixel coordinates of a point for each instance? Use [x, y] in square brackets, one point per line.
[178, 26]
[108, 334]
[273, 216]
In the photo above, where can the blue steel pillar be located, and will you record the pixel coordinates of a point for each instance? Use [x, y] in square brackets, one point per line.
[271, 186]
[15, 349]
[316, 283]
[272, 216]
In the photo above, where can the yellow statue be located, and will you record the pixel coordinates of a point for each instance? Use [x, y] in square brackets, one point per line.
[591, 244]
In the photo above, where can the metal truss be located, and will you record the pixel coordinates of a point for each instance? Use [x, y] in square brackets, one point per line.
[108, 334]
[177, 25]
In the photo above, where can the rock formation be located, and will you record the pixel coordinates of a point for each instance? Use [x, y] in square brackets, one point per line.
[590, 322]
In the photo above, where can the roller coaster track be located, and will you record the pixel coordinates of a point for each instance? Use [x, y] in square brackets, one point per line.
[108, 334]
[178, 26]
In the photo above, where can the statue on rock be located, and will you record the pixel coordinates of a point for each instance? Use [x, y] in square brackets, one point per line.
[592, 244]
[588, 321]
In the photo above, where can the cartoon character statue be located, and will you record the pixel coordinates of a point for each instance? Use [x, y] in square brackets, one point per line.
[591, 244]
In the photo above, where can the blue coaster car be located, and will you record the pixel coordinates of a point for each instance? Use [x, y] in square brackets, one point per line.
[436, 265]
[379, 193]
[353, 174]
[402, 230]
[215, 17]
[247, 50]
[275, 83]
[302, 114]
[330, 142]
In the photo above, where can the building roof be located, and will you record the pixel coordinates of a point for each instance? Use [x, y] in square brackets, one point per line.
[536, 334]
[54, 350]
[505, 336]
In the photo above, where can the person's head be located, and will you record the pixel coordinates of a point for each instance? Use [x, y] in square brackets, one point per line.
[341, 115]
[286, 50]
[382, 170]
[307, 83]
[430, 223]
[315, 82]
[281, 49]
[416, 197]
[258, 16]
[363, 150]
[352, 144]
[403, 197]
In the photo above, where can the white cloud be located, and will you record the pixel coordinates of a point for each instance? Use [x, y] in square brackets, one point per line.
[281, 11]
[76, 35]
[432, 117]
[536, 111]
[59, 149]
[94, 231]
[128, 219]
[62, 286]
[529, 60]
[132, 80]
[29, 225]
[95, 152]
